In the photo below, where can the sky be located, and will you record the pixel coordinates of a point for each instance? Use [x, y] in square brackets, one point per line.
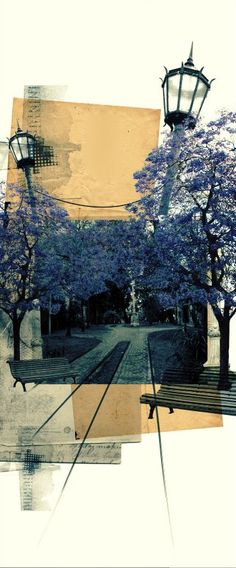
[113, 52]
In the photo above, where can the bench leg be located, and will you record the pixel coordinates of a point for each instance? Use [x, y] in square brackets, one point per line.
[152, 408]
[151, 412]
[23, 384]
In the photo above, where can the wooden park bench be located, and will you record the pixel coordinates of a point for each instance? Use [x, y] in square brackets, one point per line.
[186, 375]
[41, 370]
[202, 396]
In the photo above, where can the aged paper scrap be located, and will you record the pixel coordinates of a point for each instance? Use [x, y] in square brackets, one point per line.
[62, 453]
[97, 149]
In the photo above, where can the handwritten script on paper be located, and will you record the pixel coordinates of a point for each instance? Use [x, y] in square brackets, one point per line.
[109, 453]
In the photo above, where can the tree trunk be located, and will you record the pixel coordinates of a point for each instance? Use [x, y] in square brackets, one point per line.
[68, 319]
[126, 317]
[224, 325]
[89, 313]
[83, 320]
[16, 321]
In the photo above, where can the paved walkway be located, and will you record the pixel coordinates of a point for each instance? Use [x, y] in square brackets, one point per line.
[134, 367]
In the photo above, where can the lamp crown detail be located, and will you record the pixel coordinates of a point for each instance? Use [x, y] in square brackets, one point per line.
[189, 61]
[19, 129]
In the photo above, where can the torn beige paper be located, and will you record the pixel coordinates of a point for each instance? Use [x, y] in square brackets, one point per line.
[97, 150]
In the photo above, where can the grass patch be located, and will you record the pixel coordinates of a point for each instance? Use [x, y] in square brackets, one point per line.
[69, 347]
[172, 350]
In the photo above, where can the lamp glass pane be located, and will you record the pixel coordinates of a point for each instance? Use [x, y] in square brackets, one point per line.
[16, 150]
[199, 96]
[173, 92]
[187, 90]
[24, 146]
[165, 96]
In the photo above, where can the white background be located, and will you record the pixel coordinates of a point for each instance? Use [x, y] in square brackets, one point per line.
[113, 52]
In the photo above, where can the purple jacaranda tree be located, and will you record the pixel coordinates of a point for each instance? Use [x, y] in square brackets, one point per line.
[192, 253]
[126, 243]
[30, 269]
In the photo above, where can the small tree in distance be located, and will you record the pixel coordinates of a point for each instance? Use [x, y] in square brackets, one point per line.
[87, 262]
[102, 256]
[192, 253]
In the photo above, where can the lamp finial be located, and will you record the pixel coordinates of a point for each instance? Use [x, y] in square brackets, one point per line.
[190, 57]
[18, 126]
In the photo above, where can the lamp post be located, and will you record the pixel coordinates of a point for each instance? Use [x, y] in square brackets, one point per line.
[22, 147]
[185, 89]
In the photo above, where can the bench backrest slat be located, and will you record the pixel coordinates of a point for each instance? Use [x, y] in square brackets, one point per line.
[52, 367]
[49, 360]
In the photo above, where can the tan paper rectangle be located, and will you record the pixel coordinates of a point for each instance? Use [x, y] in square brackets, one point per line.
[97, 150]
[119, 417]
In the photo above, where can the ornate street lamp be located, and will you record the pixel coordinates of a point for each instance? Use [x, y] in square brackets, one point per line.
[22, 147]
[184, 92]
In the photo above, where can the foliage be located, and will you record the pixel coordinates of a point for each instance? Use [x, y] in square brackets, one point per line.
[86, 259]
[29, 267]
[47, 258]
[192, 253]
[44, 256]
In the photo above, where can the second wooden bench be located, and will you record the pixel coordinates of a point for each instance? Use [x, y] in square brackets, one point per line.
[201, 398]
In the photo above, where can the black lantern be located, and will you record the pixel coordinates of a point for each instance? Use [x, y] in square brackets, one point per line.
[22, 145]
[184, 92]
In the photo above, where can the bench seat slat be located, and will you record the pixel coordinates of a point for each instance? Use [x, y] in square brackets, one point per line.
[33, 378]
[197, 392]
[42, 372]
[204, 392]
[39, 363]
[171, 400]
[214, 409]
